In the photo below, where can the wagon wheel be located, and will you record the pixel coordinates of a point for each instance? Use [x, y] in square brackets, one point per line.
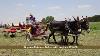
[12, 35]
[28, 37]
[5, 34]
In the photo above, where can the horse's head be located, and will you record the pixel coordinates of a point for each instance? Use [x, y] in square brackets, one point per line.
[74, 26]
[85, 24]
[77, 23]
[66, 25]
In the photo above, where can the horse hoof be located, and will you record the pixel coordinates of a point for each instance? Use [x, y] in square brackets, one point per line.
[72, 43]
[66, 43]
[55, 42]
[30, 40]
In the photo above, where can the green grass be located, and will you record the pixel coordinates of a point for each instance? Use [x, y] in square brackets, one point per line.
[50, 52]
[95, 25]
[90, 39]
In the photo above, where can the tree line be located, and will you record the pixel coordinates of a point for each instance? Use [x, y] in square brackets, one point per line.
[47, 19]
[95, 18]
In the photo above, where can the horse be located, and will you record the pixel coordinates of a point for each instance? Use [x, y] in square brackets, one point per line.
[84, 24]
[64, 27]
[77, 28]
[74, 28]
[58, 27]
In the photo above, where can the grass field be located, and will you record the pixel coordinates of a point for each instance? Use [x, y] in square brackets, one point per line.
[95, 25]
[50, 52]
[90, 39]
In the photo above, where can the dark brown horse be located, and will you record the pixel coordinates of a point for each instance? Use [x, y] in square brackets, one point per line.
[58, 27]
[64, 27]
[84, 23]
[74, 27]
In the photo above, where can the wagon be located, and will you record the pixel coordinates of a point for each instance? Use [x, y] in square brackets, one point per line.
[40, 34]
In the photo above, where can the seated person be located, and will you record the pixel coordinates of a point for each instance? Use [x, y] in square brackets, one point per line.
[33, 30]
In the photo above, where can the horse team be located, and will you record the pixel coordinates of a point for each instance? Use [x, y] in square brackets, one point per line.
[68, 27]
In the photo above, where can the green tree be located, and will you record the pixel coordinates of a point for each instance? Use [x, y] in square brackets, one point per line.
[49, 19]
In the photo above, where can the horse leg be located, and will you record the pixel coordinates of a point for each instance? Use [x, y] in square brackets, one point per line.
[62, 40]
[49, 37]
[54, 38]
[66, 38]
[73, 40]
[77, 40]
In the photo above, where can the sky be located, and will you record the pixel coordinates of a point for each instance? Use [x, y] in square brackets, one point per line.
[17, 10]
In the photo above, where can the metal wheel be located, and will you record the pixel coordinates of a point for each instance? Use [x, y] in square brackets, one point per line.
[5, 34]
[12, 35]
